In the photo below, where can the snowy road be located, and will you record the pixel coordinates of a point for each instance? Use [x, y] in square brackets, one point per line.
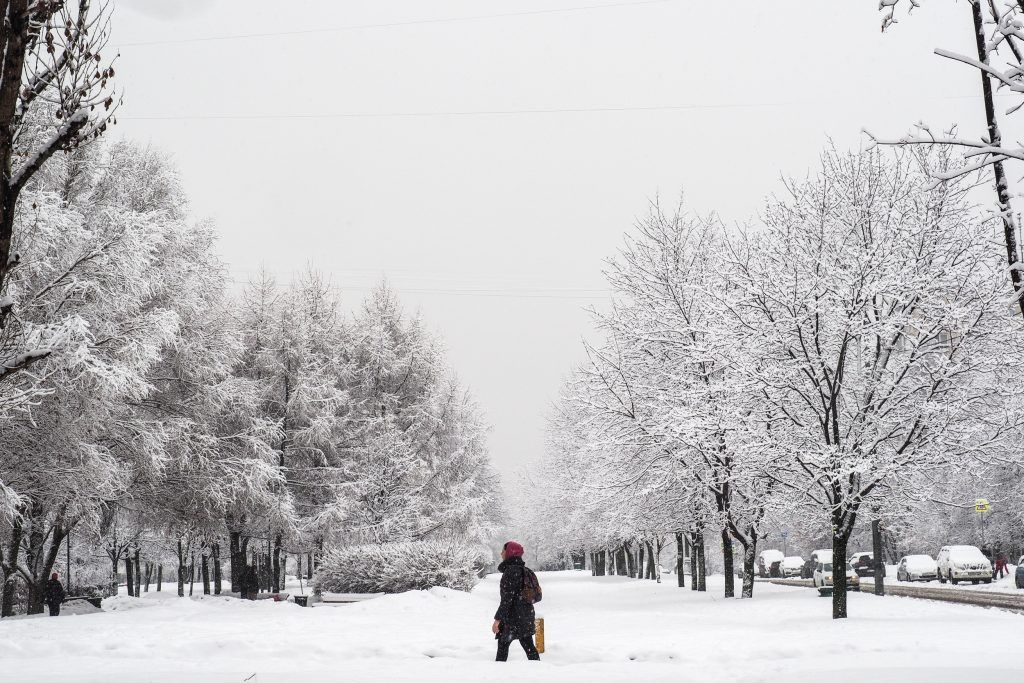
[598, 629]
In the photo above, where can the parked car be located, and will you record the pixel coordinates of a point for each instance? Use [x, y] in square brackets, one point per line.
[855, 558]
[917, 568]
[823, 578]
[958, 563]
[816, 557]
[1018, 577]
[765, 560]
[864, 565]
[792, 566]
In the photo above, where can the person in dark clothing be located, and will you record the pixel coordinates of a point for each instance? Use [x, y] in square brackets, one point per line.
[54, 595]
[250, 583]
[515, 617]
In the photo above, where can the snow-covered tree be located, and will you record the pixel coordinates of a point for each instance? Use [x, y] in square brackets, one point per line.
[55, 95]
[878, 336]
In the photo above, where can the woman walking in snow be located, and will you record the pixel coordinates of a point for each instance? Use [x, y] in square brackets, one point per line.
[514, 619]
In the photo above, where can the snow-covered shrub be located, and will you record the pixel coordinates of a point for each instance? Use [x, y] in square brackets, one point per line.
[397, 567]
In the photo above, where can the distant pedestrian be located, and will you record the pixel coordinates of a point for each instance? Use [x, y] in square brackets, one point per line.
[515, 617]
[250, 583]
[54, 594]
[1001, 568]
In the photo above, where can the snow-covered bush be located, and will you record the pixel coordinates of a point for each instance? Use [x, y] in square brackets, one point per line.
[397, 567]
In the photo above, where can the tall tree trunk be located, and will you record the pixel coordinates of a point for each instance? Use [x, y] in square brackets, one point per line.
[129, 575]
[999, 174]
[114, 553]
[693, 561]
[9, 566]
[620, 561]
[206, 575]
[749, 555]
[182, 568]
[840, 540]
[278, 583]
[680, 560]
[730, 575]
[216, 569]
[138, 575]
[630, 560]
[191, 574]
[702, 564]
[33, 557]
[651, 560]
[309, 567]
[237, 558]
[159, 577]
[876, 548]
[640, 559]
[149, 575]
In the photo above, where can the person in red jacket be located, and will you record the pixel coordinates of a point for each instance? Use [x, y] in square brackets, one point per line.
[515, 618]
[1001, 567]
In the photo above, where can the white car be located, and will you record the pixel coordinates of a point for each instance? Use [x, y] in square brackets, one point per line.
[817, 556]
[792, 566]
[823, 578]
[963, 563]
[917, 568]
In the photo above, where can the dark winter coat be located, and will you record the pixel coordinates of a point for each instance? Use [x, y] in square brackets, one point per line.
[54, 592]
[515, 614]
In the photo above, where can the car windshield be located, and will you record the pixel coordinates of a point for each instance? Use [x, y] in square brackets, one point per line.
[826, 567]
[967, 556]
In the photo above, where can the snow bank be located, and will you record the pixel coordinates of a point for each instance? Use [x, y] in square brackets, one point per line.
[598, 629]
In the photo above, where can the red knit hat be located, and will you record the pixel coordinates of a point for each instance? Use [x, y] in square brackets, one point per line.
[513, 549]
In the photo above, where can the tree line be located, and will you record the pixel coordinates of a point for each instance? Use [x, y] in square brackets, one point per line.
[851, 355]
[160, 414]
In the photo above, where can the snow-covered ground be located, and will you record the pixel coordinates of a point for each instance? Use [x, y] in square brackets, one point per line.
[598, 629]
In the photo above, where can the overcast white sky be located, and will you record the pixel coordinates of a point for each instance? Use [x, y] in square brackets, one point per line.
[388, 150]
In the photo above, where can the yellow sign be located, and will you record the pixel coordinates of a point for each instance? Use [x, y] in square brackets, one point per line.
[981, 505]
[540, 635]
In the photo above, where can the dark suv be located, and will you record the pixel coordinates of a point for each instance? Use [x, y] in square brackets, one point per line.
[865, 565]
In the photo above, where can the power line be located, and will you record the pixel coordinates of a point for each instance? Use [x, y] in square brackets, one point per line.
[396, 24]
